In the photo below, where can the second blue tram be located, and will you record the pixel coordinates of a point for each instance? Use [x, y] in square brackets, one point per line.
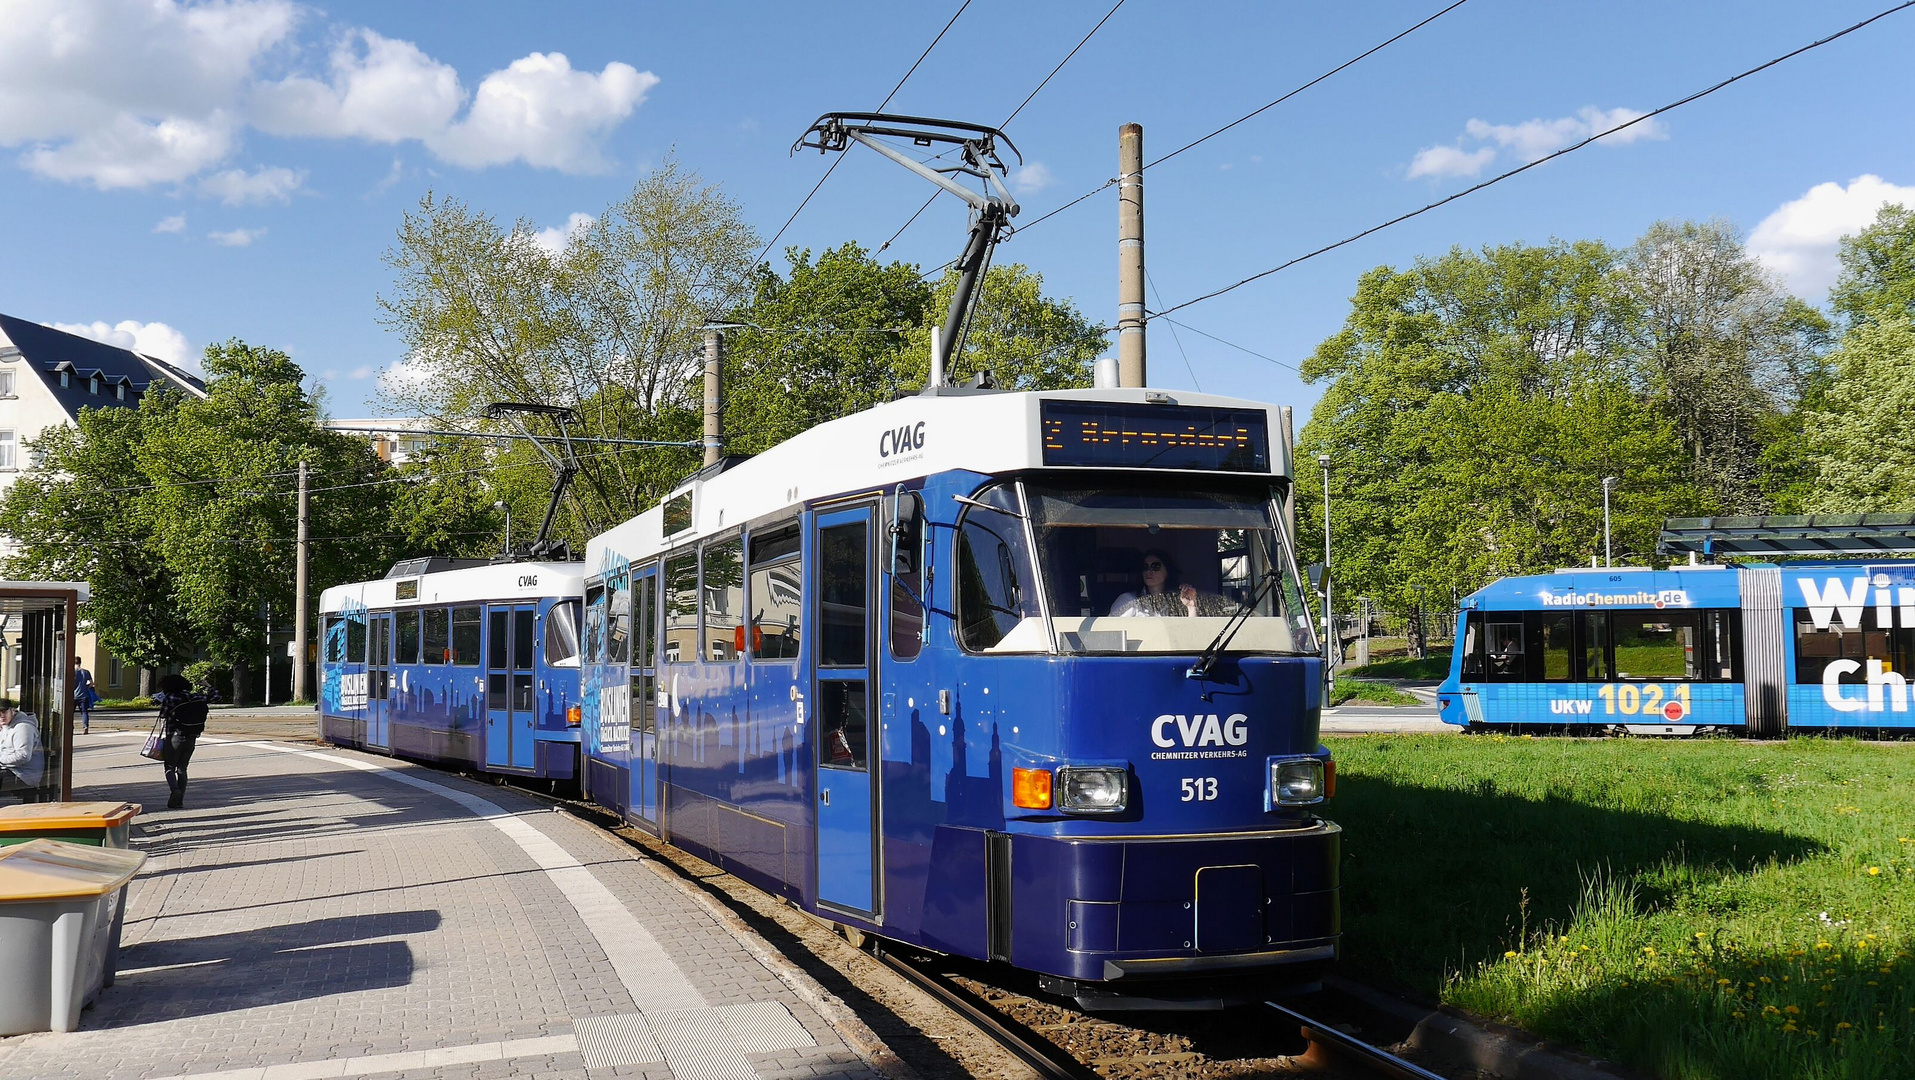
[1758, 648]
[1025, 677]
[462, 662]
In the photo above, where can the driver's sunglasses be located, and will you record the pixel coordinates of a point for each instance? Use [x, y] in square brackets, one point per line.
[1153, 565]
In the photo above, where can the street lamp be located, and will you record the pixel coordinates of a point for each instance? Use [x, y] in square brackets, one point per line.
[501, 505]
[1329, 627]
[1608, 483]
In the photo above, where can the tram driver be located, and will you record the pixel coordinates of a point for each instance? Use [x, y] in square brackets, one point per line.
[1157, 598]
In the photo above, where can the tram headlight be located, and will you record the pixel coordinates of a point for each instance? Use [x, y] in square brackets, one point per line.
[1297, 781]
[1093, 789]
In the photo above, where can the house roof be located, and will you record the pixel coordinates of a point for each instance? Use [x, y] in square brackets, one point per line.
[47, 352]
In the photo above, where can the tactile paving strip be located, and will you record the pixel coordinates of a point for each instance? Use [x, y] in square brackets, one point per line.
[616, 1040]
[698, 1046]
[765, 1026]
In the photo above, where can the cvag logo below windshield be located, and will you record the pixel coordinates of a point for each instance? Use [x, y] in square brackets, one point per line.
[1195, 731]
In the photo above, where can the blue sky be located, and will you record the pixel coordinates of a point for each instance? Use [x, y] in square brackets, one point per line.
[176, 174]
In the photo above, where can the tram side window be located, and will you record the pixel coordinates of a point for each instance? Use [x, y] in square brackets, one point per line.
[467, 623]
[438, 637]
[593, 644]
[1473, 645]
[618, 620]
[993, 577]
[907, 582]
[561, 634]
[1596, 647]
[645, 632]
[1816, 649]
[1656, 644]
[777, 593]
[356, 637]
[334, 635]
[725, 600]
[406, 626]
[681, 609]
[1504, 641]
[1557, 650]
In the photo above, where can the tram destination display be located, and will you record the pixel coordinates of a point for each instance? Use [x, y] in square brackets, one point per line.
[1139, 436]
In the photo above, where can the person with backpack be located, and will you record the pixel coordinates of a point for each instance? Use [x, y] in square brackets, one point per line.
[182, 719]
[84, 696]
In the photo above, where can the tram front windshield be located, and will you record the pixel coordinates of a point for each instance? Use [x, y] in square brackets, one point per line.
[1131, 568]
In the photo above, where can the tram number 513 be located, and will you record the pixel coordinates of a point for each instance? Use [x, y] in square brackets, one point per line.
[1648, 700]
[1200, 788]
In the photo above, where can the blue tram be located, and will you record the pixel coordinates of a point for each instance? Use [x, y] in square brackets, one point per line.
[464, 662]
[1757, 648]
[1025, 677]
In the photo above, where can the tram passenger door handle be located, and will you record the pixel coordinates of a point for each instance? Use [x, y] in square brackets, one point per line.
[824, 796]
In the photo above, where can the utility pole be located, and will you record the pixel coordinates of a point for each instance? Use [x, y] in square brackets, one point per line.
[300, 689]
[1130, 256]
[1608, 483]
[1329, 619]
[266, 682]
[714, 395]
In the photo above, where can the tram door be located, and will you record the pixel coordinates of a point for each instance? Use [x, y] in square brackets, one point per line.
[510, 646]
[841, 571]
[643, 774]
[379, 682]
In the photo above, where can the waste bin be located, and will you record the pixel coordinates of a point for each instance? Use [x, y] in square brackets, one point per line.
[97, 824]
[56, 917]
[100, 824]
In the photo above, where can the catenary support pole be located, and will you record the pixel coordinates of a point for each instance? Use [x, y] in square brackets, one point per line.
[1131, 368]
[1329, 616]
[300, 688]
[714, 395]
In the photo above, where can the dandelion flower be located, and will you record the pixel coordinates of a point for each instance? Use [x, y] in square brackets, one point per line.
[1648, 950]
[1792, 1011]
[1737, 1015]
[1843, 1026]
[1724, 982]
[1764, 980]
[1874, 871]
[1790, 1027]
[1770, 1010]
[1510, 954]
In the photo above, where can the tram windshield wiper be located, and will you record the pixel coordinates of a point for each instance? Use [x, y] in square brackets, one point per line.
[1201, 669]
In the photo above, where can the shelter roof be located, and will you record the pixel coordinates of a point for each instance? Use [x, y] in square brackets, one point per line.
[1808, 534]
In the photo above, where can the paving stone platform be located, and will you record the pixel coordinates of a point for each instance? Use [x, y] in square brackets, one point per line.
[317, 913]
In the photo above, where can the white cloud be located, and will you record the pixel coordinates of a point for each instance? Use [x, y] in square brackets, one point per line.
[1800, 239]
[124, 94]
[380, 90]
[236, 237]
[174, 224]
[543, 113]
[1450, 161]
[1032, 178]
[237, 187]
[361, 372]
[151, 338]
[554, 238]
[404, 376]
[1530, 140]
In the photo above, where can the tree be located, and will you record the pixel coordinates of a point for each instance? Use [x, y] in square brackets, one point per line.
[1860, 438]
[1723, 349]
[1878, 269]
[1026, 340]
[609, 325]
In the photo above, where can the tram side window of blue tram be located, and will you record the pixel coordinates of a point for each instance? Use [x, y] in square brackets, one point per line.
[467, 622]
[843, 603]
[681, 609]
[438, 637]
[356, 637]
[593, 643]
[777, 593]
[618, 619]
[1816, 649]
[561, 634]
[1595, 647]
[994, 590]
[406, 627]
[725, 600]
[907, 579]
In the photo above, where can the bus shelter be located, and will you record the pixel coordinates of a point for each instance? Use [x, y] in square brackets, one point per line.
[1800, 536]
[40, 617]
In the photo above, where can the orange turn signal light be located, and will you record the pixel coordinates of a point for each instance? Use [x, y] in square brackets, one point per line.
[1031, 788]
[1329, 777]
[573, 715]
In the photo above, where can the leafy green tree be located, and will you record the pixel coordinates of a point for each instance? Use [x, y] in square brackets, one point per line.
[1878, 269]
[1026, 340]
[1860, 437]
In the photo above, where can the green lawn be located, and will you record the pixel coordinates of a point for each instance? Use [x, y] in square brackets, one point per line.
[1707, 909]
[1369, 693]
[1434, 666]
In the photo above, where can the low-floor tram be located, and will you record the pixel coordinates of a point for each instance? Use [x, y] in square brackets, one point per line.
[463, 662]
[1758, 648]
[1024, 677]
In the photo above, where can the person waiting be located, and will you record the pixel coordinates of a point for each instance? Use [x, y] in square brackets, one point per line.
[21, 765]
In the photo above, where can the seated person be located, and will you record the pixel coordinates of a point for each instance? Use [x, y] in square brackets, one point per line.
[21, 766]
[1158, 599]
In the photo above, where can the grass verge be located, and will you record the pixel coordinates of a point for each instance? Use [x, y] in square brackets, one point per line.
[1696, 910]
[1434, 666]
[1369, 693]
